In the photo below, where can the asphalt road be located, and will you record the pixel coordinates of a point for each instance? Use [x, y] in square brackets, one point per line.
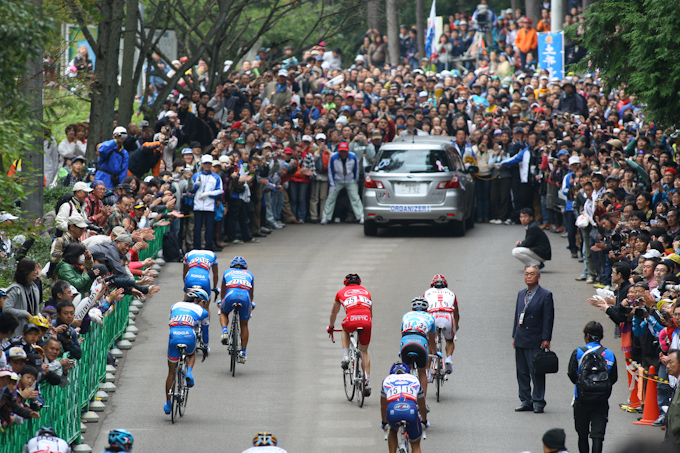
[292, 383]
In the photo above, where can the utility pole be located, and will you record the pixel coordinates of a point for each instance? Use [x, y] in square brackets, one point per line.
[392, 31]
[33, 170]
[420, 25]
[556, 15]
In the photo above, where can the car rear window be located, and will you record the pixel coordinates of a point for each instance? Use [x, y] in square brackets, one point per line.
[413, 161]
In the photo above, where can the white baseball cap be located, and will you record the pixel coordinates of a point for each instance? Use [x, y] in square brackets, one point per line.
[574, 160]
[320, 136]
[119, 131]
[283, 72]
[4, 215]
[81, 186]
[306, 138]
[652, 253]
[206, 159]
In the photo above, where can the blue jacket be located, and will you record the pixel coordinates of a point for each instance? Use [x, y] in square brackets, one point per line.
[112, 161]
[574, 369]
[339, 175]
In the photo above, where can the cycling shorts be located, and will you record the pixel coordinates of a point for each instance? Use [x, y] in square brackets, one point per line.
[356, 319]
[181, 335]
[444, 319]
[407, 411]
[237, 296]
[197, 279]
[414, 344]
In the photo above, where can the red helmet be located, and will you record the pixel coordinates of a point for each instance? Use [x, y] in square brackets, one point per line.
[438, 281]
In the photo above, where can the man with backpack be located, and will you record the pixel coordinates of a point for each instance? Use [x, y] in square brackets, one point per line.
[593, 369]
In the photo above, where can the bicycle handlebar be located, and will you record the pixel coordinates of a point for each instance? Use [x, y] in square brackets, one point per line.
[331, 336]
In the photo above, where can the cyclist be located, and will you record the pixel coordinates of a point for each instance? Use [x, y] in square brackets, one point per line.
[238, 285]
[184, 316]
[46, 440]
[402, 399]
[443, 305]
[417, 338]
[197, 267]
[358, 313]
[120, 440]
[264, 443]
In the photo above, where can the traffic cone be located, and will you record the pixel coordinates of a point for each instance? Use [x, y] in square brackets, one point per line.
[651, 412]
[634, 402]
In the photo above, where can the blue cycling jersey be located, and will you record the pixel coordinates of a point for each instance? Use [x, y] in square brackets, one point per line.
[417, 322]
[238, 281]
[188, 314]
[199, 262]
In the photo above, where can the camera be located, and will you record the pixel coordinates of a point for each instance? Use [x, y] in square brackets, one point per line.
[109, 278]
[618, 240]
[666, 286]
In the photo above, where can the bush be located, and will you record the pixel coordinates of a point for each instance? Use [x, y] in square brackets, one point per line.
[39, 252]
[52, 195]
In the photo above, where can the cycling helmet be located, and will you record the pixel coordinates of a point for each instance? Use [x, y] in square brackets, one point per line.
[40, 321]
[239, 263]
[120, 437]
[264, 439]
[46, 431]
[438, 281]
[196, 292]
[399, 368]
[352, 279]
[419, 304]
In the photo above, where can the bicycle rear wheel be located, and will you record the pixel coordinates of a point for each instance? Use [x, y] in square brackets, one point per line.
[173, 400]
[360, 378]
[439, 376]
[184, 392]
[235, 340]
[178, 389]
[347, 377]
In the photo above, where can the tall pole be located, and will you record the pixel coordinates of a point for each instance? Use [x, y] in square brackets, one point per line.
[33, 171]
[127, 86]
[420, 26]
[392, 31]
[556, 15]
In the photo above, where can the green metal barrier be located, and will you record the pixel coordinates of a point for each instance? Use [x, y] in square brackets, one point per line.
[63, 406]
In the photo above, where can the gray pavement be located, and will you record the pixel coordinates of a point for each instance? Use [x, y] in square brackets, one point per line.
[292, 383]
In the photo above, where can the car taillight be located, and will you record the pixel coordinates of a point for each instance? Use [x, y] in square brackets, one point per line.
[371, 184]
[454, 183]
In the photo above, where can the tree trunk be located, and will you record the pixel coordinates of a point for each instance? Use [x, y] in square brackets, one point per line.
[533, 10]
[392, 31]
[128, 84]
[586, 4]
[515, 4]
[373, 11]
[420, 25]
[105, 83]
[33, 155]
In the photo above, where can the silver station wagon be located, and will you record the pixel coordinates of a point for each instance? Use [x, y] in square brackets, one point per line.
[419, 180]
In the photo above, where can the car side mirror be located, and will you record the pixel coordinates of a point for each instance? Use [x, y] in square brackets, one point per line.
[473, 169]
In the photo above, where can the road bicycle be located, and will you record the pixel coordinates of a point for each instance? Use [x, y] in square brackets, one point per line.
[179, 392]
[403, 444]
[235, 338]
[354, 377]
[437, 371]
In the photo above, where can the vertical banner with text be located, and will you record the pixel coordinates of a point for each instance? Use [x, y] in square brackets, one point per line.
[551, 53]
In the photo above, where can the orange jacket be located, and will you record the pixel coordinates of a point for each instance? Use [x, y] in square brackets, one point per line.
[526, 40]
[543, 26]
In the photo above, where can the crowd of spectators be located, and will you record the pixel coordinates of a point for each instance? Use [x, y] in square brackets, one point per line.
[290, 143]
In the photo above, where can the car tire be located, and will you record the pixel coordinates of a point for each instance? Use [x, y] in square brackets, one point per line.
[457, 228]
[470, 221]
[370, 228]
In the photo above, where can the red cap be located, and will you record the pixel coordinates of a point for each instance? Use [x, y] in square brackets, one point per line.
[288, 151]
[343, 147]
[671, 170]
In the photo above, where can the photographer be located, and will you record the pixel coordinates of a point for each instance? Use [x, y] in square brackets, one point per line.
[66, 334]
[647, 323]
[147, 158]
[55, 369]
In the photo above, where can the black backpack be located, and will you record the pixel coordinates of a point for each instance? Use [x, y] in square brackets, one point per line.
[172, 252]
[593, 383]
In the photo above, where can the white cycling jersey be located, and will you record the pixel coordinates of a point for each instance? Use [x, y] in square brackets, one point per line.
[44, 444]
[440, 299]
[267, 449]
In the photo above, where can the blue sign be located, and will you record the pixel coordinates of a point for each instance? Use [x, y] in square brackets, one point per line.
[551, 53]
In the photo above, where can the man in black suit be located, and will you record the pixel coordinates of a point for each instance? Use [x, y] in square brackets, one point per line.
[531, 331]
[535, 248]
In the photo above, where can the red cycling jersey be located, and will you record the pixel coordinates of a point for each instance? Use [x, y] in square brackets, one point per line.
[357, 302]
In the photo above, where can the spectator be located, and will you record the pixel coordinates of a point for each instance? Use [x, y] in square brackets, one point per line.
[72, 268]
[55, 369]
[673, 414]
[70, 147]
[16, 357]
[77, 173]
[526, 40]
[76, 228]
[26, 393]
[66, 334]
[554, 441]
[25, 294]
[535, 249]
[74, 206]
[586, 368]
[97, 213]
[8, 324]
[343, 173]
[208, 189]
[112, 167]
[532, 329]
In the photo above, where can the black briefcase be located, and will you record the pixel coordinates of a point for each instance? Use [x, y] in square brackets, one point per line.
[545, 362]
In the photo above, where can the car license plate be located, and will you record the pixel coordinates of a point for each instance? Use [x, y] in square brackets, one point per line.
[409, 208]
[409, 188]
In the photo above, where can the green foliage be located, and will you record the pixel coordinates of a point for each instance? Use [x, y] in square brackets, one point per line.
[39, 252]
[635, 46]
[52, 195]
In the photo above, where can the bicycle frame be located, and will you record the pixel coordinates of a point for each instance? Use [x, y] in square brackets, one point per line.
[355, 376]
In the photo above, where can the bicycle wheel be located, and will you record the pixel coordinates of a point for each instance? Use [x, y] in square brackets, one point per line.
[172, 398]
[360, 378]
[179, 385]
[184, 394]
[235, 340]
[348, 380]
